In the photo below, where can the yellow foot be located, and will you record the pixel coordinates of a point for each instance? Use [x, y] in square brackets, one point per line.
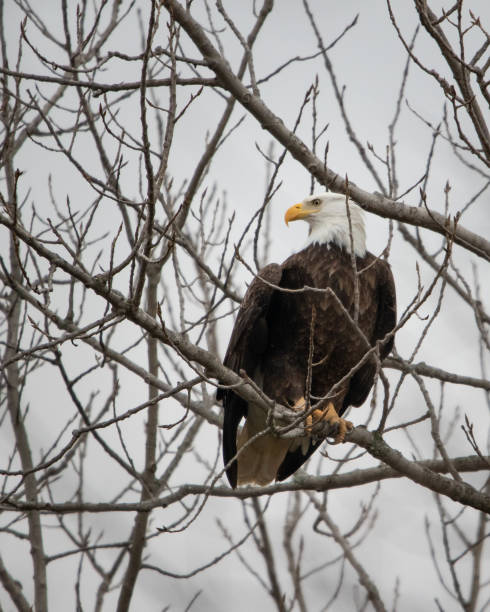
[299, 404]
[329, 414]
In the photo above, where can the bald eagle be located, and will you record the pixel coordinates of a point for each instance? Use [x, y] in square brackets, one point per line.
[307, 348]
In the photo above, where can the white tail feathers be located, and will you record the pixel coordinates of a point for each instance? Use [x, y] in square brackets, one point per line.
[259, 461]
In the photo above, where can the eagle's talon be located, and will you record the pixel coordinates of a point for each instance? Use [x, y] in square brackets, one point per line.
[328, 419]
[299, 404]
[313, 420]
[343, 428]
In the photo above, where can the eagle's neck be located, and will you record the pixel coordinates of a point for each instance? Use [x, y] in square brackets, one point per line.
[334, 229]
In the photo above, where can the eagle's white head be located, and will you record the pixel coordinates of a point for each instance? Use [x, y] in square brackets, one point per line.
[326, 214]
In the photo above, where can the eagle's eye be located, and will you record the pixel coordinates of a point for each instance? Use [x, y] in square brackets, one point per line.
[316, 202]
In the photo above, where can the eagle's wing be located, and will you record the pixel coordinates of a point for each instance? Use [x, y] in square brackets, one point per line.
[363, 379]
[386, 319]
[247, 343]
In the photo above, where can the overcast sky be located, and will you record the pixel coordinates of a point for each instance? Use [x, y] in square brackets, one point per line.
[369, 62]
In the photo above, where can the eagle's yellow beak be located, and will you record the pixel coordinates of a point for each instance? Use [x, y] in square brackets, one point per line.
[295, 213]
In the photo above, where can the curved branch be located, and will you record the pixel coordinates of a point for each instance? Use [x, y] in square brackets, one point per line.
[458, 491]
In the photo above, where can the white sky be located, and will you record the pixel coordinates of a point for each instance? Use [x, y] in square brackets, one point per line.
[369, 62]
